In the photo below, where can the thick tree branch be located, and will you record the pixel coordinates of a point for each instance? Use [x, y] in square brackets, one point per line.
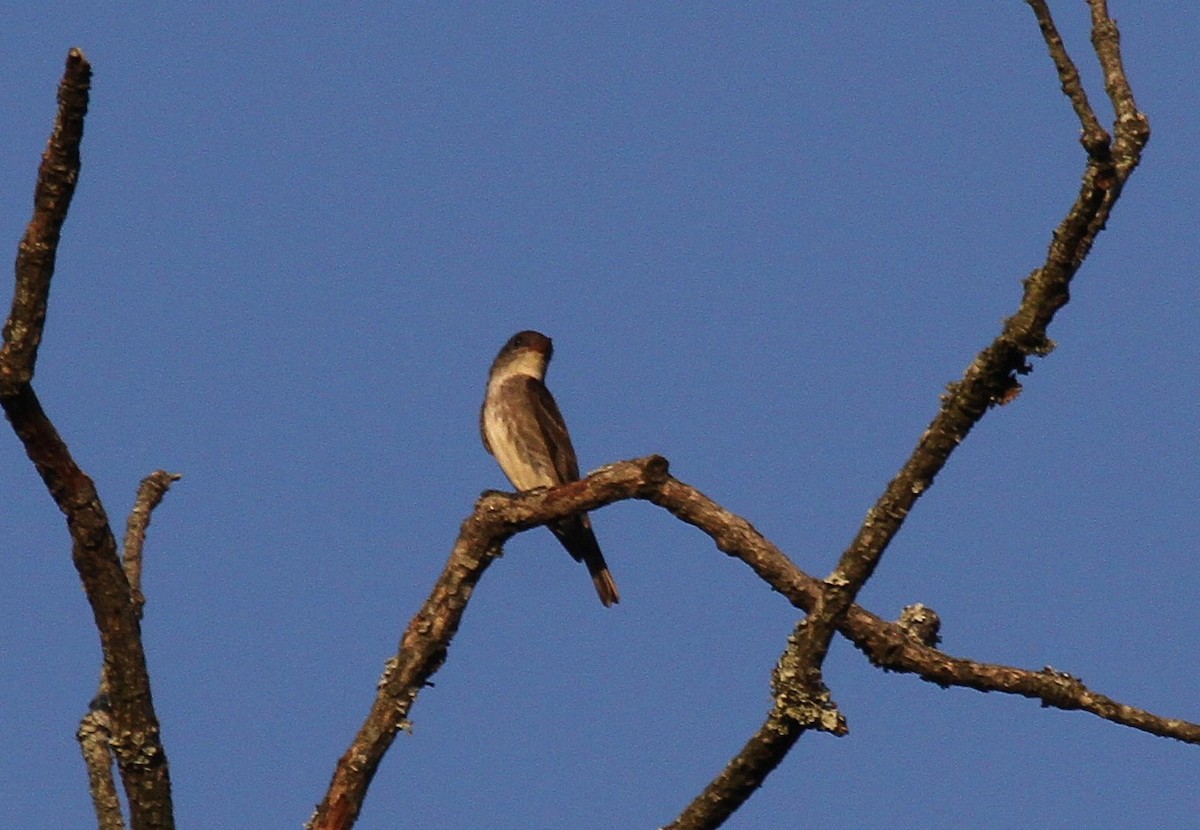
[134, 725]
[423, 647]
[990, 379]
[135, 729]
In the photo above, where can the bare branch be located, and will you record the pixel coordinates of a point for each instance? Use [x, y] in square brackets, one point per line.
[895, 646]
[95, 734]
[423, 647]
[1094, 137]
[95, 741]
[766, 749]
[149, 495]
[802, 702]
[51, 198]
[94, 551]
[1132, 127]
[134, 726]
[989, 380]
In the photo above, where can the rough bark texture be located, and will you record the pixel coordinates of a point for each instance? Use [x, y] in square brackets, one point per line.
[133, 731]
[122, 723]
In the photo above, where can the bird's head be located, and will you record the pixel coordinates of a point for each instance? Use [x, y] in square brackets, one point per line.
[526, 353]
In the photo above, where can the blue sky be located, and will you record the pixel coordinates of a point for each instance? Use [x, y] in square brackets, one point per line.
[763, 239]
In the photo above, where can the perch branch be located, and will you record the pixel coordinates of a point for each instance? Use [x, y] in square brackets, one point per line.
[425, 642]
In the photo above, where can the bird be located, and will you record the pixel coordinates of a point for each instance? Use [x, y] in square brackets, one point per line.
[525, 432]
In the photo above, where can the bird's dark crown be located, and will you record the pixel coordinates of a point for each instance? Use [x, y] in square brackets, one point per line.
[529, 339]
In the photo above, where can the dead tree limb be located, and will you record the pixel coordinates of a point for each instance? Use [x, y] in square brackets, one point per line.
[132, 723]
[801, 699]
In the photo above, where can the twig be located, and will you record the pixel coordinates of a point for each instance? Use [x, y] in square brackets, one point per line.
[150, 493]
[1133, 128]
[1094, 137]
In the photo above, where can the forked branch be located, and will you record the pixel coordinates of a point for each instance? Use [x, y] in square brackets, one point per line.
[131, 724]
[990, 379]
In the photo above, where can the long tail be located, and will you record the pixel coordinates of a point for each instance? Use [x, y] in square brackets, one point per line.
[602, 579]
[575, 534]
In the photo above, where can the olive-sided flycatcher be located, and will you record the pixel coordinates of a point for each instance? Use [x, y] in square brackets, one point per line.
[524, 430]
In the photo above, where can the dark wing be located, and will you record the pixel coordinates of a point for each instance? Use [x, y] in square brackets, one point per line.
[574, 532]
[554, 429]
